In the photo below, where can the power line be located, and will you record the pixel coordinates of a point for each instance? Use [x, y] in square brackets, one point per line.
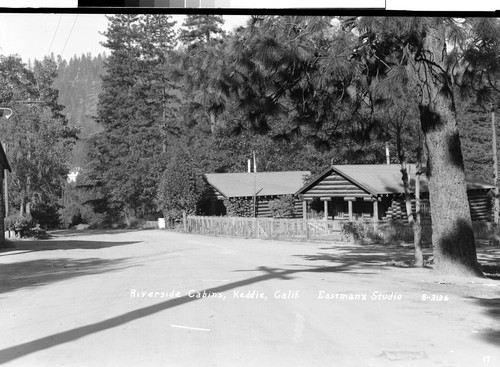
[54, 37]
[73, 26]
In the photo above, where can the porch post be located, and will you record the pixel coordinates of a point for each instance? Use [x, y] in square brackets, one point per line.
[375, 214]
[325, 201]
[349, 204]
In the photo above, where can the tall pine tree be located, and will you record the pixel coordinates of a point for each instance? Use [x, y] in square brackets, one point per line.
[131, 110]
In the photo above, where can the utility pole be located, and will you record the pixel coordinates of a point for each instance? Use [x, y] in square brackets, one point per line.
[6, 184]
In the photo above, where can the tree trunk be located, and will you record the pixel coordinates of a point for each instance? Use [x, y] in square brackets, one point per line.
[213, 121]
[414, 222]
[417, 225]
[496, 204]
[452, 235]
[406, 185]
[21, 207]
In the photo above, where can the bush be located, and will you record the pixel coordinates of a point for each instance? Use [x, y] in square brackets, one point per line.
[18, 224]
[95, 220]
[283, 207]
[180, 187]
[37, 233]
[239, 207]
[46, 215]
[356, 229]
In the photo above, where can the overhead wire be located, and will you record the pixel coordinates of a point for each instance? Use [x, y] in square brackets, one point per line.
[55, 33]
[69, 35]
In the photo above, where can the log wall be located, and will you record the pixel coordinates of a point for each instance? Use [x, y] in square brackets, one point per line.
[263, 207]
[335, 185]
[479, 202]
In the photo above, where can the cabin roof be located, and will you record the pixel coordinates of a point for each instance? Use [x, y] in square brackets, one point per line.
[243, 184]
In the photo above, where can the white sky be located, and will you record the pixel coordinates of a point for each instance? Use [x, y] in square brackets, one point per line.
[34, 35]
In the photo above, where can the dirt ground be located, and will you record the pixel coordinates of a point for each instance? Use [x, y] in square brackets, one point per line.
[159, 298]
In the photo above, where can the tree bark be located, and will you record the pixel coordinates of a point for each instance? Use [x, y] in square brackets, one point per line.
[21, 207]
[417, 225]
[496, 204]
[213, 121]
[414, 222]
[452, 235]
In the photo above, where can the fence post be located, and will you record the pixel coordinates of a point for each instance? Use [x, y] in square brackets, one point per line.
[184, 220]
[304, 217]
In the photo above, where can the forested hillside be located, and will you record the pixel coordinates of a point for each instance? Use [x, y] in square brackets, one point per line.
[79, 84]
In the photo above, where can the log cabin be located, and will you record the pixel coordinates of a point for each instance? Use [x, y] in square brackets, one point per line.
[355, 191]
[264, 186]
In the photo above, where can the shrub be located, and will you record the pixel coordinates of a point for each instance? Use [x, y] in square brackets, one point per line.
[46, 215]
[283, 207]
[180, 188]
[37, 233]
[18, 224]
[356, 229]
[239, 207]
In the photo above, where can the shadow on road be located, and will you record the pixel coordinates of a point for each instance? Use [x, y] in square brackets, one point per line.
[492, 309]
[35, 273]
[367, 256]
[55, 244]
[89, 232]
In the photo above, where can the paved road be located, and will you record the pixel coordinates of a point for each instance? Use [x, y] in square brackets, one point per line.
[157, 298]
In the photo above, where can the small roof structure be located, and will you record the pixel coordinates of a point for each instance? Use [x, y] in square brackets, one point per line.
[4, 163]
[380, 179]
[245, 184]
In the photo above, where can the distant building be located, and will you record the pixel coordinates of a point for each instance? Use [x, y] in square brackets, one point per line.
[265, 186]
[4, 165]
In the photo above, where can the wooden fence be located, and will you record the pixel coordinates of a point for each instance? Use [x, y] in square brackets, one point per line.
[297, 229]
[319, 229]
[270, 228]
